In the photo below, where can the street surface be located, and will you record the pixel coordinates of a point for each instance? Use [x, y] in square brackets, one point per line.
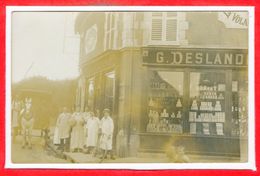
[35, 155]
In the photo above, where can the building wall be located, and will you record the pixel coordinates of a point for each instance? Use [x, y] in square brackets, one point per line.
[205, 30]
[84, 22]
[133, 29]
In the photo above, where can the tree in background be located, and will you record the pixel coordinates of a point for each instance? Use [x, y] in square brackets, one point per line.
[49, 96]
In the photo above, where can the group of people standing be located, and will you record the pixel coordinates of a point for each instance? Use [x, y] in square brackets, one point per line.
[84, 132]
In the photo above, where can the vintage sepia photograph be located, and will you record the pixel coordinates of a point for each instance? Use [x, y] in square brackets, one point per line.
[124, 86]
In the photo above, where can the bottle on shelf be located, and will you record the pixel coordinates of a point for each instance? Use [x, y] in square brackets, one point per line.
[172, 115]
[178, 104]
[194, 105]
[164, 114]
[179, 115]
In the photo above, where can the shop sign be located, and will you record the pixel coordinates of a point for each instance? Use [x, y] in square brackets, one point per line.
[195, 57]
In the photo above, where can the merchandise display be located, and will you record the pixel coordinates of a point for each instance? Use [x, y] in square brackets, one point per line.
[207, 110]
[165, 106]
[207, 117]
[164, 123]
[219, 128]
[179, 105]
[206, 128]
[239, 109]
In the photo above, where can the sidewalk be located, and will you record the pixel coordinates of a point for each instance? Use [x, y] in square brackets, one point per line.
[140, 158]
[88, 158]
[70, 157]
[145, 158]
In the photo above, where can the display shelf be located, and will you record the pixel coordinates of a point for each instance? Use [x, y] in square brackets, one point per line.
[164, 89]
[165, 114]
[205, 110]
[206, 121]
[188, 135]
[211, 99]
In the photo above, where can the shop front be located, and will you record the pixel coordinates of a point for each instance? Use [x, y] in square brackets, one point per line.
[165, 80]
[197, 98]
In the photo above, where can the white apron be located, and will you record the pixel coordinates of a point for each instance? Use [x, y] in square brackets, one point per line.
[63, 125]
[92, 131]
[77, 134]
[107, 128]
[56, 139]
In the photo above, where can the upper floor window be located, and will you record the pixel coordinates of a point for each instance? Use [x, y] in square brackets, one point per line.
[164, 27]
[110, 30]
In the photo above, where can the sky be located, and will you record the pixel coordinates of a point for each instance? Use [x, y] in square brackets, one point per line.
[44, 44]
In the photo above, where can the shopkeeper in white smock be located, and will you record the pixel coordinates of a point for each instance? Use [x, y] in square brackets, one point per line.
[107, 129]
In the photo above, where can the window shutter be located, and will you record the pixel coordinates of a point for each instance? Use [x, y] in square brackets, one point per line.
[157, 14]
[171, 30]
[164, 26]
[156, 29]
[171, 14]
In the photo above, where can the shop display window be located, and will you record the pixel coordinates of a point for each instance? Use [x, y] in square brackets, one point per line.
[207, 103]
[165, 102]
[109, 90]
[239, 104]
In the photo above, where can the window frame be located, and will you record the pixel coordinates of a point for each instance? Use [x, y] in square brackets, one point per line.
[111, 30]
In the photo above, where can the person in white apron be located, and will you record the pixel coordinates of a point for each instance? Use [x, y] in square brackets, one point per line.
[92, 132]
[64, 128]
[77, 134]
[107, 129]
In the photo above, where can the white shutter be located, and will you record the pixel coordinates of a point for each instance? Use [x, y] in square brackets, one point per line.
[157, 14]
[171, 14]
[171, 30]
[164, 27]
[156, 29]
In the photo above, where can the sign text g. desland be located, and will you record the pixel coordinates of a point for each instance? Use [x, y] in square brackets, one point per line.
[195, 57]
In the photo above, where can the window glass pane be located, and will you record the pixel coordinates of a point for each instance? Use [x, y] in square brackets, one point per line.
[107, 40]
[207, 103]
[109, 90]
[113, 20]
[165, 102]
[108, 21]
[90, 93]
[111, 39]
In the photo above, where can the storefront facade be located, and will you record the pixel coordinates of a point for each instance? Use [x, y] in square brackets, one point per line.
[169, 78]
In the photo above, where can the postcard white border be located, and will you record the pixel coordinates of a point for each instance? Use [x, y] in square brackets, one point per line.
[144, 166]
